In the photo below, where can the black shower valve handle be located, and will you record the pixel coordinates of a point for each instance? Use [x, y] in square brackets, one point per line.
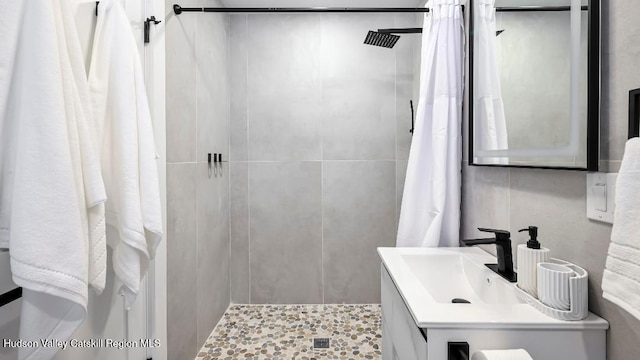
[412, 117]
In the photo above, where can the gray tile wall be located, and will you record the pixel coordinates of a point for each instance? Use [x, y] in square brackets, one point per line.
[285, 232]
[556, 200]
[181, 260]
[359, 214]
[319, 141]
[198, 113]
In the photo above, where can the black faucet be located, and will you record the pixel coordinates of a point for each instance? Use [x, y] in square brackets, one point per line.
[504, 267]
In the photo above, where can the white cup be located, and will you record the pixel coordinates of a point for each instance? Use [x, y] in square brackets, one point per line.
[553, 285]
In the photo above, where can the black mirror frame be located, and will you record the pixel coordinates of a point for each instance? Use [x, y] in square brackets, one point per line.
[634, 113]
[593, 93]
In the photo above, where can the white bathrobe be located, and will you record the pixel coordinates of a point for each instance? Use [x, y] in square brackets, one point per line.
[54, 226]
[128, 156]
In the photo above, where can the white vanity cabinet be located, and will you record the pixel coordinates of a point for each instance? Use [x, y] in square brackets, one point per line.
[401, 338]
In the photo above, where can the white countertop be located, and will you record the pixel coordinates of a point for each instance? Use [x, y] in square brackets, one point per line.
[427, 313]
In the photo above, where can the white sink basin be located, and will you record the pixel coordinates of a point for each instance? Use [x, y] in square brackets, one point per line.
[428, 279]
[456, 276]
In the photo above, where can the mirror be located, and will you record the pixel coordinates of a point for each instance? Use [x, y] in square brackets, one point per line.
[534, 83]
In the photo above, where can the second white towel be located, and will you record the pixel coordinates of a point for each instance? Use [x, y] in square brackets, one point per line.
[128, 156]
[621, 278]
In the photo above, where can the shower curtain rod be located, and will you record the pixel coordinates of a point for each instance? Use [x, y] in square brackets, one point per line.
[537, 8]
[177, 9]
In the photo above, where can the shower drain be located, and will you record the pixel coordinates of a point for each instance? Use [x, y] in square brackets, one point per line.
[321, 343]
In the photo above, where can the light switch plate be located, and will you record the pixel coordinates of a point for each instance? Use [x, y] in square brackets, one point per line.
[601, 190]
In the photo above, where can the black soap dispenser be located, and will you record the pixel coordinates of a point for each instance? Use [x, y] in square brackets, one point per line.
[533, 242]
[529, 256]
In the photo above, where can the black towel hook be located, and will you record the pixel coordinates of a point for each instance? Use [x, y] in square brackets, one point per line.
[147, 27]
[147, 24]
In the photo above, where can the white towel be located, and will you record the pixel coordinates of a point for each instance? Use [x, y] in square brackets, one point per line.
[9, 29]
[134, 222]
[513, 354]
[621, 279]
[58, 195]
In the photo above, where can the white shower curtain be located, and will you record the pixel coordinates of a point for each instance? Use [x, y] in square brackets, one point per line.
[489, 107]
[430, 214]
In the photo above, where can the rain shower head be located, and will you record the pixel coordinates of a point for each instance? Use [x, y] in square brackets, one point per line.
[386, 37]
[376, 38]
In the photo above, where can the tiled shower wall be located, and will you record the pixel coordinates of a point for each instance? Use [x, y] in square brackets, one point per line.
[556, 200]
[197, 200]
[319, 145]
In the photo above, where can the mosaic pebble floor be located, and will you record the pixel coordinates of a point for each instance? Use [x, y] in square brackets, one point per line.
[281, 332]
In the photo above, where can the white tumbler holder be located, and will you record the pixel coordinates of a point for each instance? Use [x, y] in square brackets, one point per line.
[578, 294]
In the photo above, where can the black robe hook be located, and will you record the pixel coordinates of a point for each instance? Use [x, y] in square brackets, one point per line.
[147, 27]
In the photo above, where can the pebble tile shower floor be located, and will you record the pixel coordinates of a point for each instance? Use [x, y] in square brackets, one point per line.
[287, 332]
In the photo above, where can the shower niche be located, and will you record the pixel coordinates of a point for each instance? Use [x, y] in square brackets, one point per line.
[534, 89]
